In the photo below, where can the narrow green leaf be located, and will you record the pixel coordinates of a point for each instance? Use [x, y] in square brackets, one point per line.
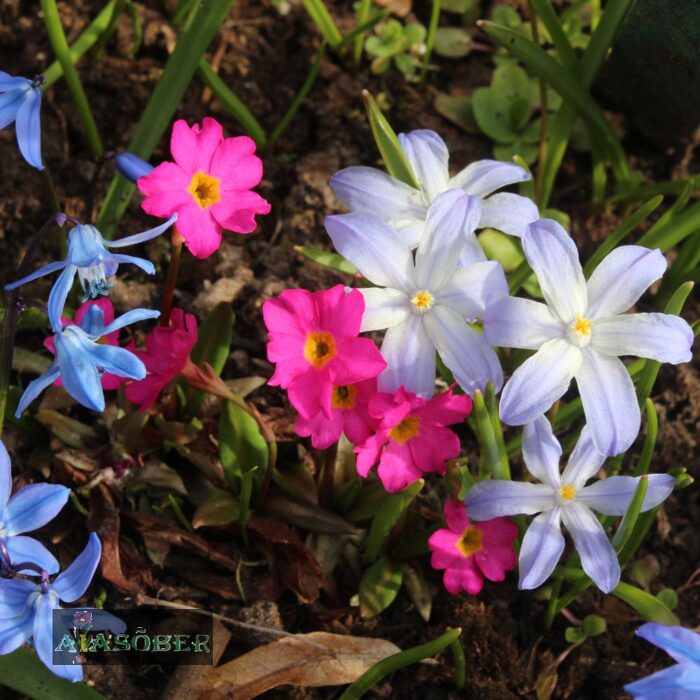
[674, 231]
[221, 508]
[379, 586]
[503, 469]
[363, 27]
[417, 588]
[324, 22]
[549, 18]
[629, 521]
[367, 503]
[490, 458]
[387, 141]
[649, 438]
[214, 343]
[327, 259]
[430, 39]
[647, 605]
[242, 447]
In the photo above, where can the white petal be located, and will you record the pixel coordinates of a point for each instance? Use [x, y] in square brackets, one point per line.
[451, 218]
[661, 337]
[499, 497]
[609, 402]
[621, 278]
[411, 231]
[410, 357]
[510, 213]
[374, 248]
[512, 322]
[427, 155]
[472, 361]
[485, 176]
[542, 452]
[474, 288]
[539, 382]
[384, 308]
[472, 252]
[598, 558]
[585, 461]
[552, 254]
[612, 496]
[541, 549]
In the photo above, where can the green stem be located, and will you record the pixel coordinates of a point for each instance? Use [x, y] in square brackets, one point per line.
[430, 40]
[171, 280]
[60, 47]
[362, 16]
[543, 111]
[460, 664]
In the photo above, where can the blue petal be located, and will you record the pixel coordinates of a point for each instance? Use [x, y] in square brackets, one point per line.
[36, 387]
[27, 549]
[14, 594]
[28, 127]
[612, 496]
[11, 82]
[10, 103]
[5, 477]
[41, 272]
[679, 682]
[427, 154]
[129, 317]
[73, 582]
[485, 176]
[33, 507]
[509, 213]
[58, 295]
[132, 167]
[115, 259]
[142, 237]
[79, 373]
[681, 643]
[541, 549]
[118, 361]
[542, 452]
[493, 499]
[93, 322]
[42, 629]
[16, 631]
[584, 462]
[85, 246]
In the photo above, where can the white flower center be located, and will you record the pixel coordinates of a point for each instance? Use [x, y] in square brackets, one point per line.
[579, 332]
[94, 282]
[422, 301]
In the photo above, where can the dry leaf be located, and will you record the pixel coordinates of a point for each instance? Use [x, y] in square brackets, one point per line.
[309, 660]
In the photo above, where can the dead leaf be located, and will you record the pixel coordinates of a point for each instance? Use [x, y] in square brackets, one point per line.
[400, 8]
[309, 660]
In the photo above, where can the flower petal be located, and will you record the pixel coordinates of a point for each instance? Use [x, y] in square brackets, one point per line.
[621, 278]
[428, 157]
[585, 461]
[677, 682]
[493, 499]
[680, 643]
[78, 370]
[130, 317]
[609, 401]
[542, 452]
[473, 289]
[512, 322]
[384, 308]
[28, 126]
[469, 357]
[410, 357]
[34, 506]
[119, 361]
[193, 147]
[485, 176]
[41, 272]
[374, 248]
[27, 549]
[236, 164]
[539, 382]
[510, 213]
[201, 233]
[14, 593]
[42, 637]
[598, 557]
[36, 387]
[661, 337]
[612, 496]
[11, 82]
[541, 549]
[553, 256]
[17, 632]
[141, 237]
[472, 252]
[58, 295]
[73, 582]
[5, 476]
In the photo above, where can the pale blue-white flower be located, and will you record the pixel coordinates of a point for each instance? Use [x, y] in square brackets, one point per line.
[372, 191]
[425, 304]
[29, 509]
[678, 682]
[26, 607]
[581, 332]
[564, 497]
[20, 102]
[81, 359]
[90, 258]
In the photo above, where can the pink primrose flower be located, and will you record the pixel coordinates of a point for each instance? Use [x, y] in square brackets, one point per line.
[348, 414]
[314, 344]
[470, 552]
[208, 185]
[167, 353]
[411, 438]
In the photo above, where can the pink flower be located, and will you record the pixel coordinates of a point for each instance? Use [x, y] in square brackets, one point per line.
[411, 438]
[208, 185]
[167, 353]
[469, 552]
[348, 414]
[109, 381]
[314, 343]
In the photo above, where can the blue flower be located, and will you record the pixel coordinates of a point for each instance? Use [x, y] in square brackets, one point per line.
[89, 258]
[81, 359]
[20, 102]
[132, 167]
[564, 498]
[26, 607]
[29, 509]
[682, 680]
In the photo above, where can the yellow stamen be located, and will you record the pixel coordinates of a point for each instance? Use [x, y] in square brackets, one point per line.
[204, 190]
[582, 326]
[423, 300]
[568, 492]
[343, 397]
[408, 428]
[319, 349]
[471, 541]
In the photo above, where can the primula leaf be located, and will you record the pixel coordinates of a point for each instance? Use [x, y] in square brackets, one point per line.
[492, 114]
[380, 586]
[221, 508]
[215, 334]
[414, 33]
[405, 64]
[458, 110]
[452, 42]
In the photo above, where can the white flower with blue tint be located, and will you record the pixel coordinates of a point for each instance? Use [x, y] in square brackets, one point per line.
[564, 497]
[81, 359]
[20, 102]
[372, 191]
[425, 304]
[581, 331]
[89, 258]
[26, 608]
[680, 681]
[29, 509]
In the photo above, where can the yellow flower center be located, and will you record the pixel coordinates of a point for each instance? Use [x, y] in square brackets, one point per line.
[567, 492]
[319, 349]
[408, 428]
[343, 397]
[470, 541]
[582, 326]
[423, 300]
[204, 190]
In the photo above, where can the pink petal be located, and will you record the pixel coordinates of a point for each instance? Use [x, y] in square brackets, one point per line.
[310, 393]
[498, 531]
[368, 453]
[293, 314]
[236, 211]
[356, 426]
[146, 391]
[201, 233]
[396, 469]
[446, 409]
[324, 431]
[193, 148]
[432, 447]
[357, 359]
[235, 165]
[445, 554]
[456, 516]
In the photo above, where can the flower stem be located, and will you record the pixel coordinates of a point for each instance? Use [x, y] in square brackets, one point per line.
[171, 279]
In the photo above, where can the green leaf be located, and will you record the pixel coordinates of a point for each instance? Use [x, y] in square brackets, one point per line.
[452, 42]
[649, 438]
[489, 463]
[458, 110]
[379, 586]
[23, 672]
[629, 522]
[367, 503]
[165, 98]
[501, 248]
[327, 259]
[324, 22]
[668, 597]
[545, 12]
[647, 605]
[574, 634]
[418, 591]
[506, 15]
[214, 343]
[414, 33]
[221, 508]
[305, 514]
[242, 447]
[594, 625]
[405, 64]
[492, 115]
[674, 231]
